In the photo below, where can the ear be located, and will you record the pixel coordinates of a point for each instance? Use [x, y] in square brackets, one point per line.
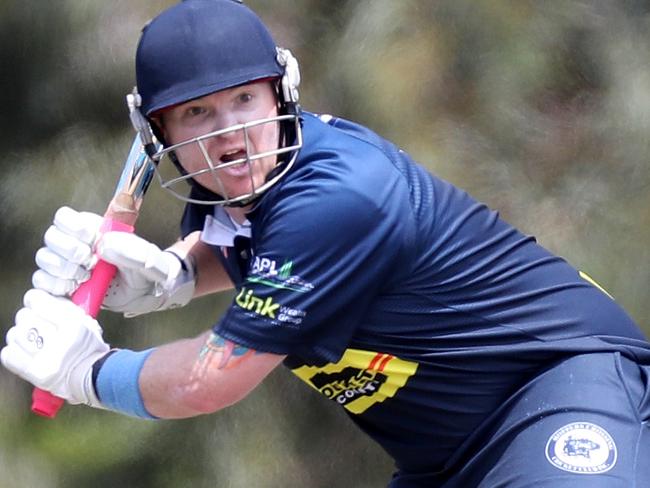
[158, 127]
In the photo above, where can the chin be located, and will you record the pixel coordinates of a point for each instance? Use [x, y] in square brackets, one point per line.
[234, 188]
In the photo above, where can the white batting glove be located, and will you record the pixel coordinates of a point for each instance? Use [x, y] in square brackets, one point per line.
[54, 345]
[147, 279]
[67, 258]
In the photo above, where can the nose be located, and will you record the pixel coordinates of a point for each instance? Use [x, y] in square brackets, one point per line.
[219, 123]
[223, 121]
[225, 138]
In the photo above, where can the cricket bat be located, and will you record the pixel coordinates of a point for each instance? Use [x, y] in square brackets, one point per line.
[121, 214]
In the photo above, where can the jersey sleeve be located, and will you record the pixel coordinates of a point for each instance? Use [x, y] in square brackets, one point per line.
[322, 253]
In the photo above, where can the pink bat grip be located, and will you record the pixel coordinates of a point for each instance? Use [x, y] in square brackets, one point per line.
[89, 296]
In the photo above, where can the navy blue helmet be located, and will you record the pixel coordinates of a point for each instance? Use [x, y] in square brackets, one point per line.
[198, 47]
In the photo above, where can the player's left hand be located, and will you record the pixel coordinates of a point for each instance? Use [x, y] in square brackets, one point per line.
[54, 345]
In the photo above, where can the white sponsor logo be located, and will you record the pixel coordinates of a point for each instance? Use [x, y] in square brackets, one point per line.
[583, 448]
[264, 266]
[291, 315]
[266, 271]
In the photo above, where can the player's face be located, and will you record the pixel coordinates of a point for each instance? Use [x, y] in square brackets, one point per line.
[219, 111]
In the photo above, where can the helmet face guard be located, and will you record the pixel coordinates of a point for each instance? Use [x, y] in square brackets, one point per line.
[215, 45]
[168, 167]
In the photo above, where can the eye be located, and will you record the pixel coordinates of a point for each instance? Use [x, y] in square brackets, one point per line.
[245, 97]
[195, 111]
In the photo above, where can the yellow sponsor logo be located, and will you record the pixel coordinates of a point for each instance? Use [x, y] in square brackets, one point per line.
[360, 379]
[264, 307]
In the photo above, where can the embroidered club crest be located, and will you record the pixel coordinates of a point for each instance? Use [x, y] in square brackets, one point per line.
[583, 448]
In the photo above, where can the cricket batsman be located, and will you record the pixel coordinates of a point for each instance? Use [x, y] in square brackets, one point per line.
[471, 354]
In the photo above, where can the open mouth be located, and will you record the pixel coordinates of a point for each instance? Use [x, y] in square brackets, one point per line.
[233, 155]
[234, 162]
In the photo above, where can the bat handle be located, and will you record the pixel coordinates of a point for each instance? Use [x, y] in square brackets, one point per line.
[45, 404]
[89, 296]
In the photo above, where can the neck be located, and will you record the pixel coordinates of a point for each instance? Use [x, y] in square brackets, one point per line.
[238, 214]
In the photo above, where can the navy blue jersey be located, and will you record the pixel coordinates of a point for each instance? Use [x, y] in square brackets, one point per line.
[403, 299]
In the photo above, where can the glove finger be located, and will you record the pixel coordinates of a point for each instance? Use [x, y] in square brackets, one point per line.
[51, 284]
[161, 265]
[68, 247]
[123, 292]
[61, 313]
[57, 310]
[133, 281]
[128, 251]
[59, 267]
[123, 249]
[84, 226]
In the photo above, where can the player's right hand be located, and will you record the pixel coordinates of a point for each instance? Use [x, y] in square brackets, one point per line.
[147, 278]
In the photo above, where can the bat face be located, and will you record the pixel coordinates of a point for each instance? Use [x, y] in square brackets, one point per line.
[137, 173]
[133, 183]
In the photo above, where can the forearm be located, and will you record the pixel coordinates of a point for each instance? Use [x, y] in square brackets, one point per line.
[201, 375]
[167, 376]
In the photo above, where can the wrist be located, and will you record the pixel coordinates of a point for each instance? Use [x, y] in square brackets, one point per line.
[115, 381]
[181, 281]
[97, 365]
[80, 388]
[185, 259]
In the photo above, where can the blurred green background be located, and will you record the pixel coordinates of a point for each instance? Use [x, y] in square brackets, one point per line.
[540, 109]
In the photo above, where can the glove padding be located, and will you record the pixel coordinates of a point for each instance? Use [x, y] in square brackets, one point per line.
[67, 258]
[54, 345]
[147, 279]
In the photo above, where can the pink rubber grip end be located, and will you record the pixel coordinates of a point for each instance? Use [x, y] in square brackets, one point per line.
[89, 296]
[45, 404]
